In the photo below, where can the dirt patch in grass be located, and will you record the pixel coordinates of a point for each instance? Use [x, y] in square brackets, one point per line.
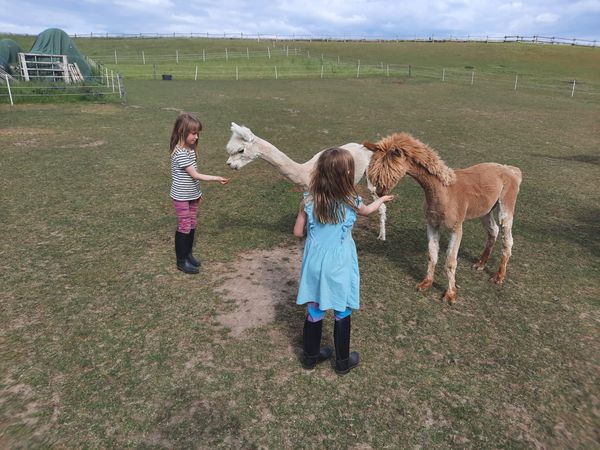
[101, 109]
[255, 283]
[26, 131]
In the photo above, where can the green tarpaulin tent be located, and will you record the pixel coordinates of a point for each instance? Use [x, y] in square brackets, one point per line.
[9, 55]
[54, 41]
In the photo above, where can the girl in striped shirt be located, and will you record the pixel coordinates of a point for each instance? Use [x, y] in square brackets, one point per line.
[185, 188]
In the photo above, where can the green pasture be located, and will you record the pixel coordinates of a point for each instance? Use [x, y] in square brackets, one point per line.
[104, 344]
[508, 66]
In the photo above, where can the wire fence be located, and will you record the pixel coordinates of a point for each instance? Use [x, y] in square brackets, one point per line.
[535, 39]
[285, 62]
[104, 87]
[277, 62]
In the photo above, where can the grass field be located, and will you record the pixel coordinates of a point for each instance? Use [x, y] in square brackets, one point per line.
[104, 344]
[551, 68]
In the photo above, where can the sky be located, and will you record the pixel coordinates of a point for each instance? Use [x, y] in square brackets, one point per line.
[571, 19]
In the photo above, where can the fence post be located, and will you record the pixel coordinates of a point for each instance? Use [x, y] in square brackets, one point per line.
[154, 71]
[388, 70]
[269, 51]
[516, 81]
[112, 79]
[119, 85]
[177, 56]
[143, 57]
[472, 76]
[196, 75]
[409, 71]
[573, 90]
[358, 69]
[321, 71]
[247, 53]
[9, 92]
[203, 56]
[275, 72]
[443, 74]
[116, 62]
[106, 73]
[237, 77]
[226, 55]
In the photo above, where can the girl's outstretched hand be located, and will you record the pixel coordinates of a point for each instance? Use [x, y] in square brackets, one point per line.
[386, 198]
[223, 180]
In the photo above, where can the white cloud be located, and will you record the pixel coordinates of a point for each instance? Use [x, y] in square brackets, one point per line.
[547, 18]
[512, 6]
[144, 4]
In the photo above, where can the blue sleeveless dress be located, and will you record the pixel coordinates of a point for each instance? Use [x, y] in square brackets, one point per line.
[329, 274]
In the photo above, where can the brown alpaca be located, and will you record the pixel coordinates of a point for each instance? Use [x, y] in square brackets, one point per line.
[451, 196]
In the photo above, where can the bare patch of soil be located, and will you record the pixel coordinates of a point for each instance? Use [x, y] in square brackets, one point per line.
[26, 131]
[99, 108]
[256, 282]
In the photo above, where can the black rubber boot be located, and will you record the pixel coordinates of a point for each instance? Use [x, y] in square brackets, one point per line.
[311, 342]
[344, 359]
[181, 252]
[193, 261]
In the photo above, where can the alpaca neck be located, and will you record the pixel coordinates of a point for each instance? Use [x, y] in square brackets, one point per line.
[431, 185]
[289, 168]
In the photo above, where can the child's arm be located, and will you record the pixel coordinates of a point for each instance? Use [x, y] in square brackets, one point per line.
[199, 176]
[365, 210]
[300, 225]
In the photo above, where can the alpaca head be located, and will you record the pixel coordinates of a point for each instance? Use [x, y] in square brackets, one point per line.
[395, 155]
[388, 165]
[240, 147]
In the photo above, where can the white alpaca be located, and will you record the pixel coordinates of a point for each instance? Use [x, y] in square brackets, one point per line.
[244, 147]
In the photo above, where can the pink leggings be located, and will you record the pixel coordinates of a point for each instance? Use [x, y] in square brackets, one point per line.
[186, 212]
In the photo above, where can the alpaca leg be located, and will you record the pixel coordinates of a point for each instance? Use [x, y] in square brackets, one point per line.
[382, 218]
[506, 221]
[381, 210]
[433, 238]
[492, 229]
[451, 263]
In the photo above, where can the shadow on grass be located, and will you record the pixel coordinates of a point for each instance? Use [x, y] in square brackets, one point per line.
[185, 424]
[590, 159]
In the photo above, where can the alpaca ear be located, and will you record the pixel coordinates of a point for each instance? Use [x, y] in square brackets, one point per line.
[371, 146]
[242, 131]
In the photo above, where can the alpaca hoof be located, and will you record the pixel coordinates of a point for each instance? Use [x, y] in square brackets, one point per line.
[381, 237]
[497, 279]
[449, 297]
[479, 266]
[424, 285]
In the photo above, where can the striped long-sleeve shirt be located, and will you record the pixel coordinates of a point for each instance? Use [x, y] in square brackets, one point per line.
[183, 186]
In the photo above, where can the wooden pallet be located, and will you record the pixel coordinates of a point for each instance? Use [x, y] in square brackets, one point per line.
[75, 73]
[38, 67]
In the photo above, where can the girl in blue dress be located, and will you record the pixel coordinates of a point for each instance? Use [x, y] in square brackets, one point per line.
[329, 276]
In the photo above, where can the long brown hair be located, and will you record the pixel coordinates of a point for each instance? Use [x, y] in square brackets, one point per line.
[332, 185]
[185, 124]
